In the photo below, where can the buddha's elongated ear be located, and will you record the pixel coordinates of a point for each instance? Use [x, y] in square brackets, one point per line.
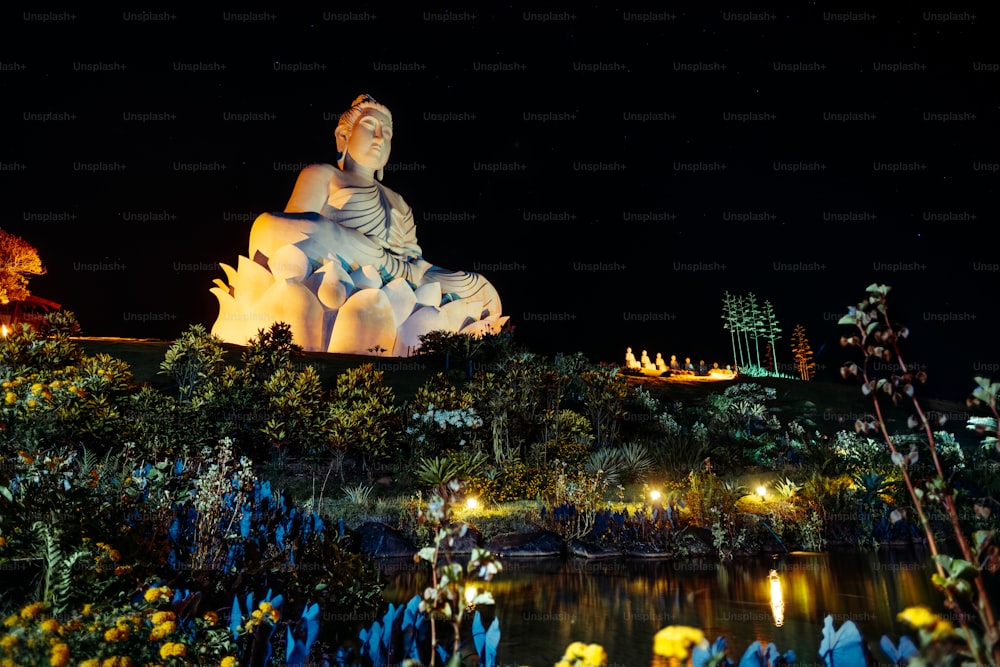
[343, 135]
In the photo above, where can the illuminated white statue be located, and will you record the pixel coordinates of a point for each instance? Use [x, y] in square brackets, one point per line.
[630, 361]
[342, 265]
[661, 365]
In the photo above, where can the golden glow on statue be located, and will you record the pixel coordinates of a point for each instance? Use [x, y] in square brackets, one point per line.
[342, 265]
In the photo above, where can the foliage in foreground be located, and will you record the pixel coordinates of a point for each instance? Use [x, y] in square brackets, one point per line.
[80, 437]
[960, 579]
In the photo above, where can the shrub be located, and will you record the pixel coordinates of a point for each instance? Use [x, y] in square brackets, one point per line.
[297, 412]
[515, 481]
[75, 404]
[270, 351]
[363, 417]
[162, 426]
[192, 360]
[47, 347]
[604, 394]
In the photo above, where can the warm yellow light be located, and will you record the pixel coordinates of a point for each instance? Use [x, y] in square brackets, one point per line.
[470, 594]
[777, 600]
[761, 490]
[3, 330]
[471, 503]
[654, 495]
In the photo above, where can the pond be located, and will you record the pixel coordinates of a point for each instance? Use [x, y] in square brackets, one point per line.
[544, 605]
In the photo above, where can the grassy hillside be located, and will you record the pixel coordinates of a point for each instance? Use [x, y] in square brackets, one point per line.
[831, 405]
[144, 357]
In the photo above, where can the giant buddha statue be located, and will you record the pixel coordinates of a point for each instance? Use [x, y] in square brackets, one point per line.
[342, 265]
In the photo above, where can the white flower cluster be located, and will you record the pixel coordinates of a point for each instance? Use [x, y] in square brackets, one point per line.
[949, 449]
[668, 424]
[445, 419]
[857, 449]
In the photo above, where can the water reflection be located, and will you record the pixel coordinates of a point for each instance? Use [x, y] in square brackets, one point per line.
[777, 601]
[544, 605]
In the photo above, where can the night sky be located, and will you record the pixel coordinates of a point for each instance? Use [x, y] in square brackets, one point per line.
[611, 169]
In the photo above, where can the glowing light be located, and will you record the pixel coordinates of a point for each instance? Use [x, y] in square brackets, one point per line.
[470, 594]
[654, 495]
[762, 491]
[471, 503]
[4, 330]
[777, 599]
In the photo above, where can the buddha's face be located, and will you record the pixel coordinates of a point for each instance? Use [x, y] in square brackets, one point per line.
[371, 139]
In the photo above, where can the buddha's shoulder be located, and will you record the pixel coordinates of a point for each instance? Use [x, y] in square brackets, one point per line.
[318, 170]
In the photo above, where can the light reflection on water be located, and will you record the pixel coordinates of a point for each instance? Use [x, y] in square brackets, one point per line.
[543, 605]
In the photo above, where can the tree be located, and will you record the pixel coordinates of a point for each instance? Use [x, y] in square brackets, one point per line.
[802, 353]
[769, 358]
[193, 360]
[771, 331]
[18, 260]
[362, 416]
[755, 324]
[729, 315]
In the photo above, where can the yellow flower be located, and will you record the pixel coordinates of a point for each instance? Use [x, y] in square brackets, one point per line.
[37, 388]
[579, 654]
[162, 630]
[275, 615]
[60, 655]
[86, 609]
[32, 403]
[8, 641]
[919, 617]
[228, 661]
[11, 397]
[211, 617]
[115, 555]
[943, 630]
[93, 662]
[32, 609]
[265, 606]
[256, 614]
[50, 625]
[163, 616]
[10, 620]
[3, 541]
[118, 661]
[595, 656]
[171, 649]
[674, 641]
[157, 592]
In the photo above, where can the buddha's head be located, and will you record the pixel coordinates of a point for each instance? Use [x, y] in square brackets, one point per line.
[365, 133]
